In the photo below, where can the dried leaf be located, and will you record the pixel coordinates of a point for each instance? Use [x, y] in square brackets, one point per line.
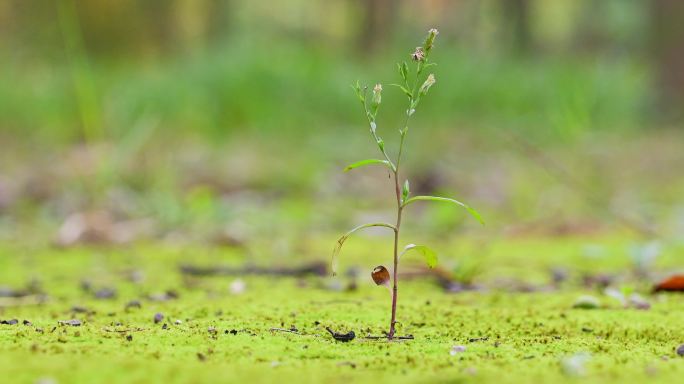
[673, 283]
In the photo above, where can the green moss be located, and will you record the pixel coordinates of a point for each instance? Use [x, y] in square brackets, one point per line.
[522, 337]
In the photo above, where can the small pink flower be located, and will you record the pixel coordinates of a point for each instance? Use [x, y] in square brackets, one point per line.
[418, 55]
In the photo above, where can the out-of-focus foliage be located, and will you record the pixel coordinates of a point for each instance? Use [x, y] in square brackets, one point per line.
[96, 69]
[207, 114]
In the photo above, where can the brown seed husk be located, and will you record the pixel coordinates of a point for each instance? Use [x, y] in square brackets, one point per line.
[380, 275]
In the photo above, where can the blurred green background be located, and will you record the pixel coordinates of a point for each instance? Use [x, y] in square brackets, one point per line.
[230, 121]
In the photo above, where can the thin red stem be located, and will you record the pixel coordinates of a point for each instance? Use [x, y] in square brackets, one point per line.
[390, 334]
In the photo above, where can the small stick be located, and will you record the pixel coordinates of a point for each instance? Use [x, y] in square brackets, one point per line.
[124, 330]
[408, 337]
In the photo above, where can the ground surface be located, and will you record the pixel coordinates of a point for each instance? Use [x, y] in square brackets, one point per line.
[516, 328]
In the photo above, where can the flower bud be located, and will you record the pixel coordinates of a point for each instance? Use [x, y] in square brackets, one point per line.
[377, 94]
[418, 55]
[430, 40]
[429, 82]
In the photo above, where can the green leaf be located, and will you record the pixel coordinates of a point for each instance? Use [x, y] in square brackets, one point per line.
[367, 162]
[429, 255]
[341, 240]
[381, 145]
[405, 191]
[403, 89]
[359, 93]
[403, 70]
[468, 208]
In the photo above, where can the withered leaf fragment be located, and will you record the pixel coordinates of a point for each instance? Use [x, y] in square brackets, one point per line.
[673, 283]
[343, 337]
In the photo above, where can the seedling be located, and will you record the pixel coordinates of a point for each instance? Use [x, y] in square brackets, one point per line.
[415, 85]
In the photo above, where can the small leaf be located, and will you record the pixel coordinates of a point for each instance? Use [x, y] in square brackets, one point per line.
[403, 70]
[468, 208]
[380, 275]
[359, 93]
[405, 191]
[367, 162]
[673, 283]
[343, 238]
[404, 89]
[429, 255]
[381, 145]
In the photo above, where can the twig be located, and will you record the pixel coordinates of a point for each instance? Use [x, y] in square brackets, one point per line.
[124, 330]
[407, 337]
[315, 269]
[22, 300]
[291, 330]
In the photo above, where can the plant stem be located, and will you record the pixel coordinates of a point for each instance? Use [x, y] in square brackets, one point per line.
[390, 334]
[400, 209]
[413, 101]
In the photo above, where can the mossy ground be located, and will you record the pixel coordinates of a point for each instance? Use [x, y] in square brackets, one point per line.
[521, 337]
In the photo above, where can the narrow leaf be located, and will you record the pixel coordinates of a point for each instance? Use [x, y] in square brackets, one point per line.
[381, 145]
[341, 240]
[405, 191]
[468, 208]
[404, 71]
[403, 89]
[429, 255]
[367, 162]
[359, 93]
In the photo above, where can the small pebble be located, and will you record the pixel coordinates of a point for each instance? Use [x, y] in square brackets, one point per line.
[105, 293]
[72, 322]
[133, 304]
[639, 302]
[456, 349]
[680, 350]
[586, 302]
[575, 365]
[46, 380]
[238, 287]
[158, 317]
[9, 322]
[178, 322]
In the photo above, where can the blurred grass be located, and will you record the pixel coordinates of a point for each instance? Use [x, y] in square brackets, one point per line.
[288, 89]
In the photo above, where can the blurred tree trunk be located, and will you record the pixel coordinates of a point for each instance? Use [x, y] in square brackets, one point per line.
[378, 17]
[516, 22]
[219, 19]
[668, 42]
[198, 22]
